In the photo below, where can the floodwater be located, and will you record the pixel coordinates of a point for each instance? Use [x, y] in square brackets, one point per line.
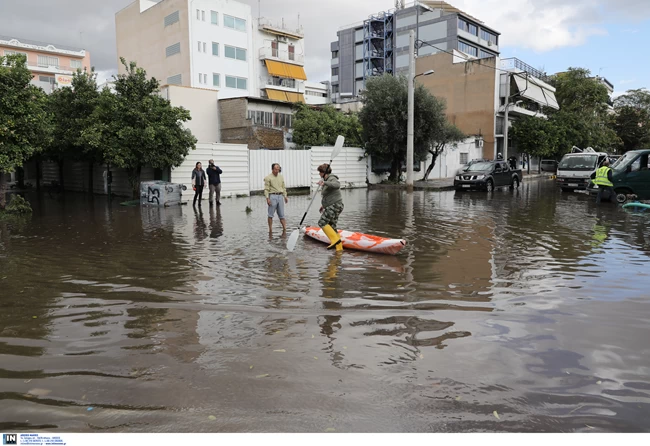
[514, 311]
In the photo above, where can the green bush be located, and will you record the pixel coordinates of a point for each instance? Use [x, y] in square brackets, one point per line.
[18, 205]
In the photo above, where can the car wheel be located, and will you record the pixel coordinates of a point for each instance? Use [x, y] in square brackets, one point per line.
[515, 183]
[489, 185]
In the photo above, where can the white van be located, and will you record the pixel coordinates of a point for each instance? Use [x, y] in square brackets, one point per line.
[575, 169]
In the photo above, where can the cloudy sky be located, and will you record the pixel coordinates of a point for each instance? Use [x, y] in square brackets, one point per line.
[605, 36]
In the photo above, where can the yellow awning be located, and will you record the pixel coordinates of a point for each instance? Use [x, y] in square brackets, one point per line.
[276, 95]
[295, 97]
[285, 70]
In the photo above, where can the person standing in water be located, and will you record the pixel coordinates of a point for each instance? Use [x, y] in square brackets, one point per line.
[198, 182]
[331, 205]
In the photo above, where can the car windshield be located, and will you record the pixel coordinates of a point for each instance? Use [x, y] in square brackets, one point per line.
[576, 162]
[624, 161]
[480, 167]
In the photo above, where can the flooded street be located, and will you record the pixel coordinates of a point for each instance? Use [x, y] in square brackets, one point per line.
[514, 311]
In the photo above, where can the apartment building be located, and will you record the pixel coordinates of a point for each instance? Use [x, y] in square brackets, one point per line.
[52, 65]
[379, 44]
[213, 44]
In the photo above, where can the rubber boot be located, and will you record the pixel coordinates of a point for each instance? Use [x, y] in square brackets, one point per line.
[334, 237]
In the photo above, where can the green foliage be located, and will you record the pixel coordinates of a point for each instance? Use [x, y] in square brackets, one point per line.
[384, 119]
[632, 121]
[535, 136]
[320, 127]
[18, 206]
[24, 121]
[639, 99]
[136, 127]
[449, 136]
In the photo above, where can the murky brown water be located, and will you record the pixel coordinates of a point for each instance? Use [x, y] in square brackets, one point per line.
[530, 305]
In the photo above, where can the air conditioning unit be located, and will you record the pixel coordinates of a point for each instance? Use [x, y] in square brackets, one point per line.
[282, 39]
[490, 43]
[478, 143]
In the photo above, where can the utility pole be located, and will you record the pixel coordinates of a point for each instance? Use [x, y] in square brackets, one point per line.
[411, 106]
[505, 128]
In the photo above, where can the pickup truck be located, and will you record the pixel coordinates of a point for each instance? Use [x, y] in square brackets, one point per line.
[488, 175]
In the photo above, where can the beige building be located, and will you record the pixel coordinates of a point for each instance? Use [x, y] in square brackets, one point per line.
[204, 108]
[51, 64]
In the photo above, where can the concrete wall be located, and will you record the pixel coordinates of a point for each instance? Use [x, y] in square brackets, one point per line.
[469, 91]
[203, 106]
[143, 38]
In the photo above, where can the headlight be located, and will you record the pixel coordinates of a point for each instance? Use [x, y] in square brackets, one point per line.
[458, 177]
[480, 177]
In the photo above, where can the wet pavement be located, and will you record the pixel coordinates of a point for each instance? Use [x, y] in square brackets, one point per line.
[518, 310]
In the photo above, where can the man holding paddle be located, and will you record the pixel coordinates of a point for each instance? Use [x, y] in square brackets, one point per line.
[275, 191]
[332, 205]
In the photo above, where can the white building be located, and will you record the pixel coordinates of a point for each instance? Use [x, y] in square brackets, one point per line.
[213, 44]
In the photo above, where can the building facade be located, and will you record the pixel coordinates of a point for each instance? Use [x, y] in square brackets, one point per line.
[213, 44]
[380, 44]
[52, 65]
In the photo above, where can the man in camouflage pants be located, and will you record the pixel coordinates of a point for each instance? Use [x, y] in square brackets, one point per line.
[332, 205]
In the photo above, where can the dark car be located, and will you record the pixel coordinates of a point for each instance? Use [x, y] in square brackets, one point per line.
[549, 166]
[488, 175]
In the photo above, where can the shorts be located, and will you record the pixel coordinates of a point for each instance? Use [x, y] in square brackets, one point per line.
[330, 215]
[277, 203]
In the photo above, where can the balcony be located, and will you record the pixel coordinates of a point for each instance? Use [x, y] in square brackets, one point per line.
[281, 29]
[282, 56]
[281, 82]
[515, 64]
[53, 69]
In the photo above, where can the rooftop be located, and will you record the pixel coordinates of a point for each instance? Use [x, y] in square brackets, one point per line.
[42, 44]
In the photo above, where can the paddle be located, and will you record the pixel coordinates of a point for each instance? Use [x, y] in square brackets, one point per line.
[293, 238]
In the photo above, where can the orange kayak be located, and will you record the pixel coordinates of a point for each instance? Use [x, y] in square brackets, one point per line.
[359, 241]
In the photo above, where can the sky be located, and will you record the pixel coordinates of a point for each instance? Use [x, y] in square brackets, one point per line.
[605, 36]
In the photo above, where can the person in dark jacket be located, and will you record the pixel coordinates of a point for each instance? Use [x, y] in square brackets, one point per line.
[332, 205]
[214, 182]
[198, 182]
[603, 178]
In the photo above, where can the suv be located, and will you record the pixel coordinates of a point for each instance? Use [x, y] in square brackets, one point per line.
[488, 175]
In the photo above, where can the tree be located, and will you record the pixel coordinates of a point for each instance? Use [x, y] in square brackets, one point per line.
[450, 135]
[639, 99]
[24, 121]
[633, 127]
[136, 127]
[583, 119]
[72, 109]
[536, 137]
[384, 120]
[320, 127]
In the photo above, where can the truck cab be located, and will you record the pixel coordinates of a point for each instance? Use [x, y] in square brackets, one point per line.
[575, 169]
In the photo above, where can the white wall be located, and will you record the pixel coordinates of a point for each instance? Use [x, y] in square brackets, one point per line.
[448, 163]
[231, 158]
[205, 31]
[348, 166]
[295, 167]
[203, 107]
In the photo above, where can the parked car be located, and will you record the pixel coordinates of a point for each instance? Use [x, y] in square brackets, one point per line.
[488, 175]
[631, 175]
[549, 166]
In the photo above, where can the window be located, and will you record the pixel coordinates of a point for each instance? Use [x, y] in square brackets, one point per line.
[199, 44]
[232, 52]
[236, 82]
[172, 18]
[204, 47]
[48, 61]
[486, 35]
[215, 80]
[214, 17]
[335, 71]
[261, 118]
[467, 27]
[469, 49]
[335, 54]
[173, 49]
[234, 23]
[335, 89]
[464, 158]
[48, 79]
[485, 54]
[76, 64]
[203, 15]
[215, 49]
[282, 82]
[282, 120]
[292, 52]
[198, 14]
[13, 53]
[174, 80]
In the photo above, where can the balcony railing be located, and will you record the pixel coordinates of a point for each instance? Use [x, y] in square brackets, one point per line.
[284, 56]
[516, 64]
[281, 28]
[53, 68]
[281, 82]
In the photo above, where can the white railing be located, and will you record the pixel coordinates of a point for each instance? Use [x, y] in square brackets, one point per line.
[281, 55]
[266, 23]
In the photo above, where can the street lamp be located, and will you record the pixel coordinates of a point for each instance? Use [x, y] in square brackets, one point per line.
[411, 110]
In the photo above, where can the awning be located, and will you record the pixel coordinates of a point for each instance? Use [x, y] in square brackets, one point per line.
[285, 70]
[530, 90]
[285, 96]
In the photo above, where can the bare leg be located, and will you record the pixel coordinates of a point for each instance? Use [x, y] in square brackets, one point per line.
[270, 225]
[284, 225]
